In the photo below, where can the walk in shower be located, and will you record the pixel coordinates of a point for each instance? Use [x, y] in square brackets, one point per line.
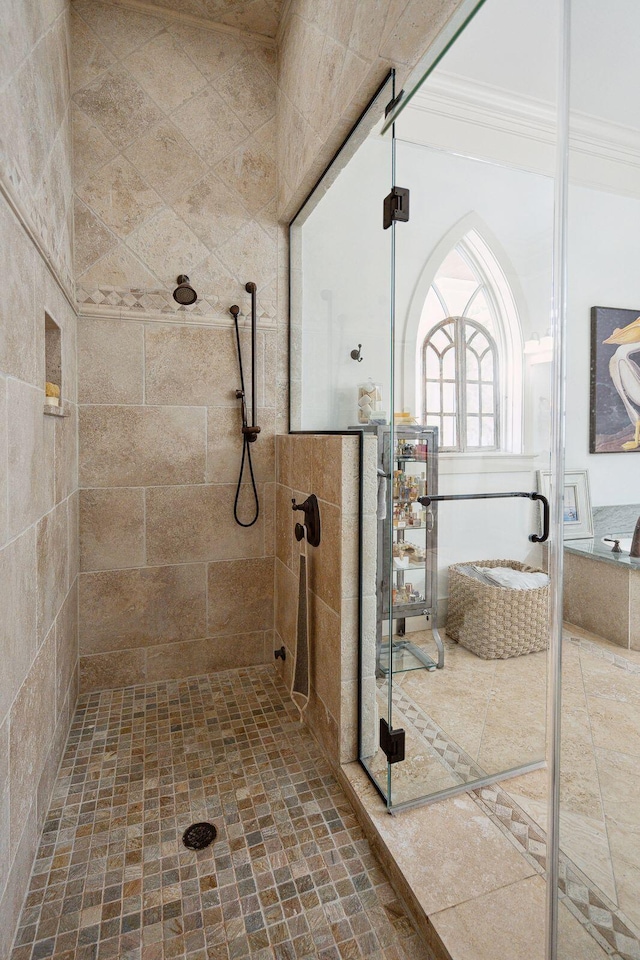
[430, 270]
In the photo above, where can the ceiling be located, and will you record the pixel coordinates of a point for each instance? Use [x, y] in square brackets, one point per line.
[257, 16]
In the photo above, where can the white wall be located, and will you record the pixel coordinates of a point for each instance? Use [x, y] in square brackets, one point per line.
[346, 262]
[604, 259]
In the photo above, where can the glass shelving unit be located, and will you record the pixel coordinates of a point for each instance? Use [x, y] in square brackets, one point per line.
[407, 545]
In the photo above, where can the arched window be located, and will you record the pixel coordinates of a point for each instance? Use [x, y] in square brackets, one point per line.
[470, 377]
[460, 363]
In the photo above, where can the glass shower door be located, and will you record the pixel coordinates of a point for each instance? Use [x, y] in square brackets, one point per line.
[472, 352]
[599, 775]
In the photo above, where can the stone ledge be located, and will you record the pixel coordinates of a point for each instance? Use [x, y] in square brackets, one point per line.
[50, 411]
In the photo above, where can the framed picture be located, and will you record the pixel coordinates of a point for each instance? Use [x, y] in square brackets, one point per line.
[578, 522]
[615, 381]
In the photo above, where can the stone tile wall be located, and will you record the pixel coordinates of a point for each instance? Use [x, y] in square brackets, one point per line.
[174, 125]
[329, 467]
[35, 129]
[38, 453]
[170, 584]
[333, 56]
[174, 146]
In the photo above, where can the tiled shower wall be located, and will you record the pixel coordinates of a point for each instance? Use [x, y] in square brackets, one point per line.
[38, 455]
[329, 467]
[333, 56]
[174, 128]
[175, 172]
[170, 585]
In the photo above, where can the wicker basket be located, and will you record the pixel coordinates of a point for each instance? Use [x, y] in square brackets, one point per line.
[497, 622]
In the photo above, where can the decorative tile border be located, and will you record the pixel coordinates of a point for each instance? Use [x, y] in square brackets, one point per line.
[160, 305]
[597, 913]
[455, 759]
[600, 653]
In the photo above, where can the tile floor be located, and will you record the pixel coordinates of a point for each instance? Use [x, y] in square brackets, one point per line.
[290, 874]
[491, 712]
[454, 739]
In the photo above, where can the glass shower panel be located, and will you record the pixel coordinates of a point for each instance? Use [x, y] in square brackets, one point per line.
[341, 287]
[476, 147]
[599, 833]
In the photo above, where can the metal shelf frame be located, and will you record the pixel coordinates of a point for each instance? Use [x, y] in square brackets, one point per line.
[388, 534]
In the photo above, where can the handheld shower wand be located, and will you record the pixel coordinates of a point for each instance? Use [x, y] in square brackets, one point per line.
[249, 431]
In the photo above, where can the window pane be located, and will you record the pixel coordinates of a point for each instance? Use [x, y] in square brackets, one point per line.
[433, 396]
[432, 311]
[456, 282]
[441, 339]
[433, 364]
[449, 432]
[473, 431]
[456, 294]
[488, 432]
[487, 366]
[473, 367]
[487, 399]
[449, 364]
[449, 397]
[454, 265]
[473, 398]
[479, 341]
[479, 311]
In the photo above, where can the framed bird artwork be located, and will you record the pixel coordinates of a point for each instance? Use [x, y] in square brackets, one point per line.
[615, 380]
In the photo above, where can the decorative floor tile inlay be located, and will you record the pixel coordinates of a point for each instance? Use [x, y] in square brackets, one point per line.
[601, 653]
[290, 874]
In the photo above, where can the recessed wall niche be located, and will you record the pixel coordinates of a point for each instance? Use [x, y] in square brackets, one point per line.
[53, 367]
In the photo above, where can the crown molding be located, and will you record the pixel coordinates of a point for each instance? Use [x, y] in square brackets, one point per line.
[500, 111]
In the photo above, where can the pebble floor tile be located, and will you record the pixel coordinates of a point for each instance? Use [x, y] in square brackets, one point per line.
[290, 874]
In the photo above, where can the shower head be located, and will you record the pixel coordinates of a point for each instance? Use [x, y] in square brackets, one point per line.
[184, 294]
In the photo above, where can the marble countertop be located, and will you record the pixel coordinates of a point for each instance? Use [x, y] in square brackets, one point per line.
[601, 551]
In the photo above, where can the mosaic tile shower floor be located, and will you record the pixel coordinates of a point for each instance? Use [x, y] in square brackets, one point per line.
[290, 875]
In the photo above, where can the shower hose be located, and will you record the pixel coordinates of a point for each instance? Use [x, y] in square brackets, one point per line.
[247, 439]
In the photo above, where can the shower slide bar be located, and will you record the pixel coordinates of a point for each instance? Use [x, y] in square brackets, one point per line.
[254, 429]
[534, 495]
[251, 430]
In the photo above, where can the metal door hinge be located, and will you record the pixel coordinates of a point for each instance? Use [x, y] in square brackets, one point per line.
[393, 103]
[391, 742]
[396, 207]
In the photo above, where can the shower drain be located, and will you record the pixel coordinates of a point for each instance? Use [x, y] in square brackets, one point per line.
[199, 835]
